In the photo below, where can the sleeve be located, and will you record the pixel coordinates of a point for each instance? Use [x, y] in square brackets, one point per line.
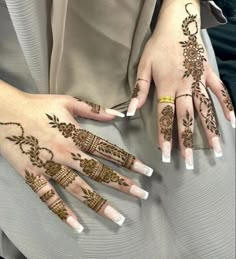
[211, 14]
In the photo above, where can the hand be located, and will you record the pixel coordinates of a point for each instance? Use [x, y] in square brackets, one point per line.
[175, 59]
[41, 139]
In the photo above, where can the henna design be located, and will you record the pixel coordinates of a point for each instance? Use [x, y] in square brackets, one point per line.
[187, 135]
[59, 208]
[29, 146]
[36, 182]
[47, 195]
[93, 200]
[166, 122]
[136, 90]
[227, 99]
[183, 95]
[95, 107]
[98, 171]
[194, 64]
[90, 143]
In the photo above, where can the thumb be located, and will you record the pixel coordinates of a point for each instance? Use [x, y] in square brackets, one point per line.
[141, 88]
[85, 109]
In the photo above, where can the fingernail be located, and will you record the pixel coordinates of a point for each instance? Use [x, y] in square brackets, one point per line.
[114, 215]
[132, 107]
[75, 224]
[143, 169]
[114, 112]
[139, 192]
[189, 159]
[217, 147]
[232, 118]
[166, 152]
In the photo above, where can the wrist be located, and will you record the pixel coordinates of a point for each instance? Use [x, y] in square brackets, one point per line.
[173, 13]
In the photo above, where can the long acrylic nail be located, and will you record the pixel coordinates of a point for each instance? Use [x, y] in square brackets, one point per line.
[114, 112]
[189, 159]
[114, 215]
[142, 169]
[166, 152]
[232, 118]
[132, 107]
[217, 147]
[75, 224]
[138, 192]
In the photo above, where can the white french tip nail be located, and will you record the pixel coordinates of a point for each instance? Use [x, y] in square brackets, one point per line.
[75, 224]
[232, 118]
[217, 147]
[132, 107]
[189, 159]
[138, 192]
[142, 169]
[114, 215]
[166, 152]
[114, 112]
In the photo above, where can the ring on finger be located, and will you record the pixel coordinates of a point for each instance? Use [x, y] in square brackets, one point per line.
[183, 95]
[166, 99]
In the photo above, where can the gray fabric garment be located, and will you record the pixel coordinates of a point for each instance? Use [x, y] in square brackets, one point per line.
[187, 215]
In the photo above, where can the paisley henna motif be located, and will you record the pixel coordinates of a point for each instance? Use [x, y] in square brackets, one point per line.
[187, 135]
[90, 143]
[166, 122]
[194, 64]
[98, 171]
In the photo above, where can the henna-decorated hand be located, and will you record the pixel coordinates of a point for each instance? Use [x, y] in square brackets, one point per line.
[175, 59]
[41, 139]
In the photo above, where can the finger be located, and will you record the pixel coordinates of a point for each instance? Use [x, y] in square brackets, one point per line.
[101, 173]
[48, 194]
[75, 185]
[218, 88]
[165, 113]
[206, 113]
[90, 143]
[185, 118]
[85, 109]
[141, 88]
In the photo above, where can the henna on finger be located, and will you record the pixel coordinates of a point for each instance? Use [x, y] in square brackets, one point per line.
[36, 182]
[136, 90]
[98, 171]
[95, 107]
[59, 208]
[194, 64]
[166, 122]
[47, 195]
[227, 99]
[187, 135]
[90, 143]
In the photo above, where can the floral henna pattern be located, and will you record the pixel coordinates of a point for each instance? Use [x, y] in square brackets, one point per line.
[29, 146]
[47, 195]
[98, 172]
[36, 182]
[95, 107]
[166, 122]
[227, 99]
[136, 90]
[59, 208]
[194, 64]
[90, 143]
[187, 135]
[93, 200]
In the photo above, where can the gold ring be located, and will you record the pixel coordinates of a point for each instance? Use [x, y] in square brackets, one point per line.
[166, 99]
